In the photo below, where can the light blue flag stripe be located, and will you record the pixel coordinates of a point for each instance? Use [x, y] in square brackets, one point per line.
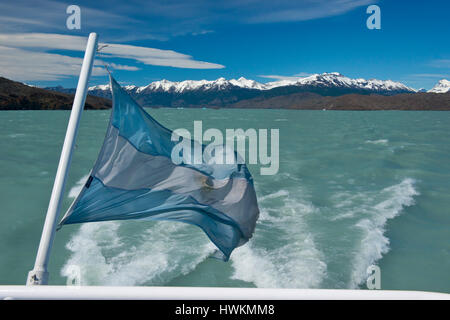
[134, 178]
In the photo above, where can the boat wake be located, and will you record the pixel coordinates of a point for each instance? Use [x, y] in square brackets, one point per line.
[283, 253]
[287, 251]
[128, 254]
[374, 243]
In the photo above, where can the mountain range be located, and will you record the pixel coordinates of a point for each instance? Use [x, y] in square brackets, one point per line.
[318, 91]
[237, 92]
[324, 80]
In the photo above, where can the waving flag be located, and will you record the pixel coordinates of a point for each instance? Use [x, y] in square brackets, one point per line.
[134, 177]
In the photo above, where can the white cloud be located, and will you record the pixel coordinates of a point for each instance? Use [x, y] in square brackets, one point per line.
[123, 67]
[294, 77]
[156, 19]
[24, 65]
[23, 15]
[25, 56]
[156, 57]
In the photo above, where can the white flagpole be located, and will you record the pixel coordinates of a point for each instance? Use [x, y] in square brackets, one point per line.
[39, 274]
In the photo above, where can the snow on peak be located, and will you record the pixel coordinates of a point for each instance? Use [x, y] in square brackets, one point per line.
[102, 87]
[339, 80]
[335, 79]
[246, 83]
[30, 85]
[331, 79]
[443, 86]
[189, 85]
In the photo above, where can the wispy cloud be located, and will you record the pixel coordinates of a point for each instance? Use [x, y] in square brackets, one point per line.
[160, 20]
[440, 63]
[123, 67]
[294, 77]
[287, 10]
[24, 65]
[429, 79]
[428, 75]
[50, 16]
[26, 56]
[157, 57]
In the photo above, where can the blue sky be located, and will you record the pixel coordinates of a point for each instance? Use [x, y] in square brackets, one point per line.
[260, 40]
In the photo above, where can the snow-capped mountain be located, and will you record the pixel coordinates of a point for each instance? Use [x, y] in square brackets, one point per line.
[190, 85]
[17, 96]
[335, 79]
[443, 86]
[324, 80]
[222, 92]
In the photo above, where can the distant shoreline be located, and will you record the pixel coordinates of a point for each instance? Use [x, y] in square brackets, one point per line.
[17, 96]
[238, 108]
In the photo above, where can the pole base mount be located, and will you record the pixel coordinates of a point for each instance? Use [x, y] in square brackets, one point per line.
[37, 277]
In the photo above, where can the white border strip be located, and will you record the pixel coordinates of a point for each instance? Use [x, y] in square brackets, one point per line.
[200, 293]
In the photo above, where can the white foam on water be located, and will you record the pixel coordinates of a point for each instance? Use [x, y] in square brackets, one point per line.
[351, 205]
[380, 141]
[16, 135]
[296, 265]
[282, 253]
[86, 247]
[153, 255]
[374, 243]
[76, 189]
[278, 194]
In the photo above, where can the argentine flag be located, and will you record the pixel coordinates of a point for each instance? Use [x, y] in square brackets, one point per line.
[134, 177]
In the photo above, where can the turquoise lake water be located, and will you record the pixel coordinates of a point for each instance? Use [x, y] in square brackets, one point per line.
[354, 189]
